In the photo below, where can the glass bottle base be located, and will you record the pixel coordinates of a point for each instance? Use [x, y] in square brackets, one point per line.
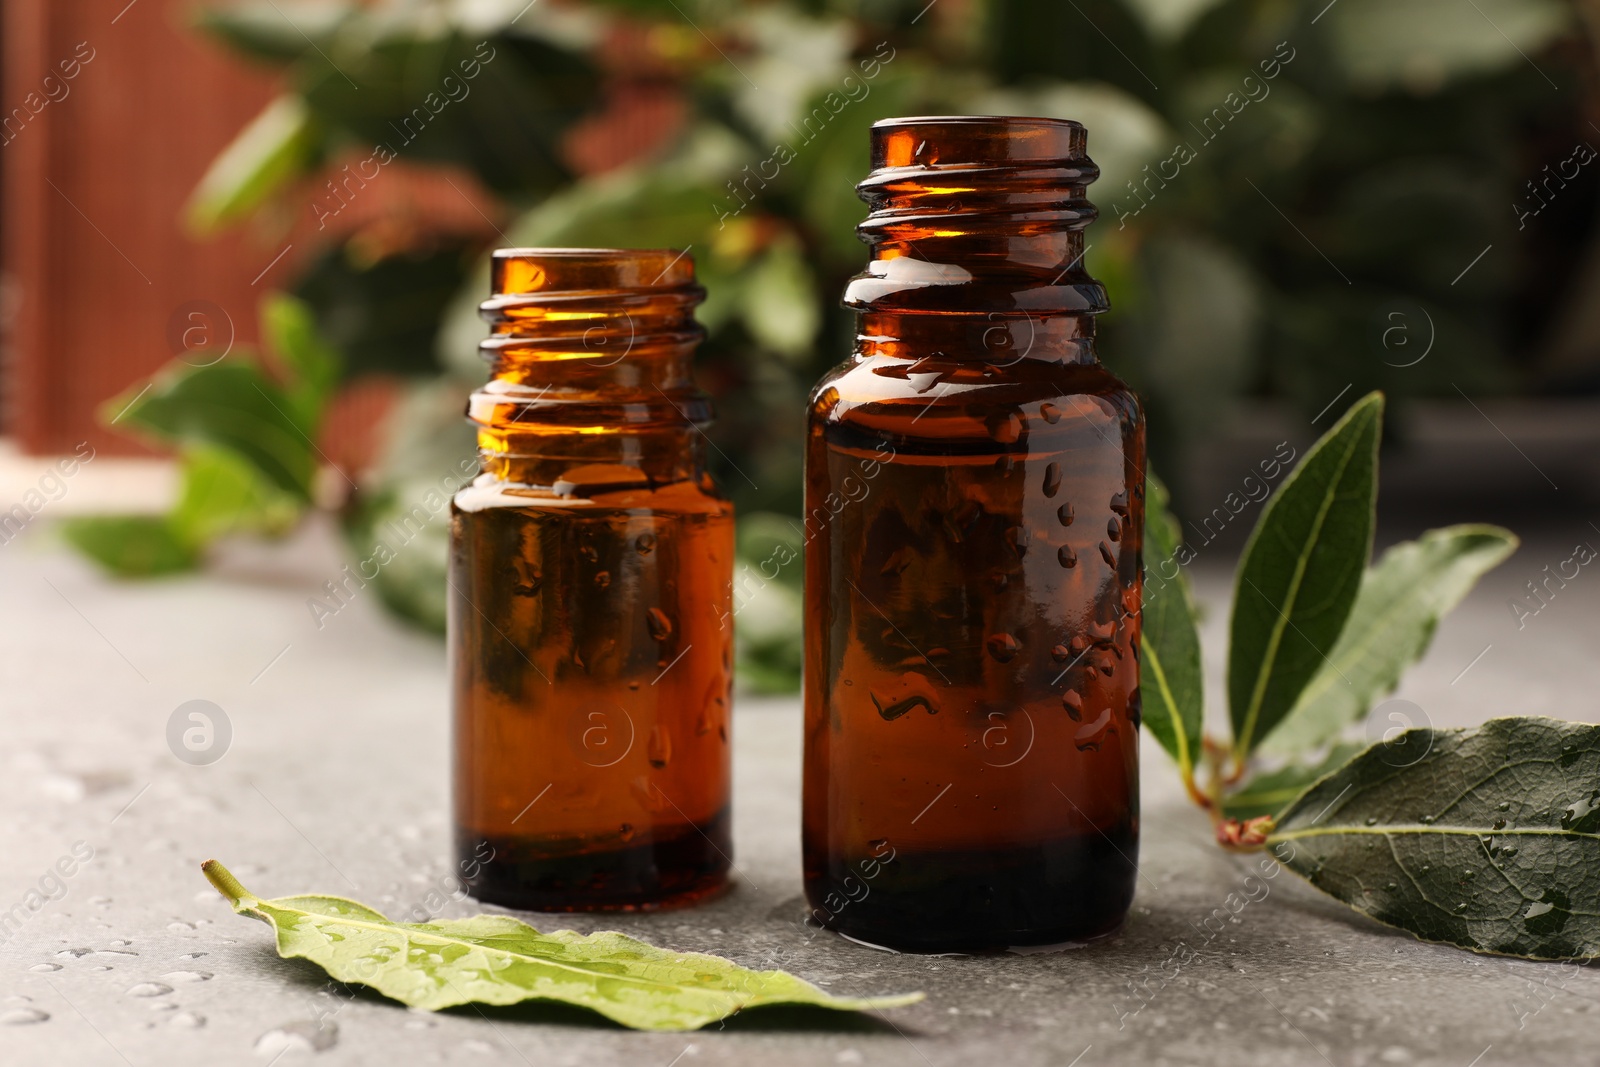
[668, 872]
[1071, 890]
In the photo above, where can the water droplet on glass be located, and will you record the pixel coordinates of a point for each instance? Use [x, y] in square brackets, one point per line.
[660, 625]
[602, 579]
[1073, 703]
[1052, 478]
[1372, 820]
[23, 1017]
[1106, 554]
[1089, 736]
[1064, 514]
[659, 747]
[589, 553]
[1066, 557]
[1114, 529]
[1004, 426]
[1002, 647]
[1119, 503]
[1061, 653]
[646, 544]
[1504, 805]
[1050, 413]
[1018, 538]
[626, 831]
[45, 967]
[149, 989]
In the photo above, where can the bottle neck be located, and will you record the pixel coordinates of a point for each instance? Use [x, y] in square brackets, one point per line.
[591, 386]
[976, 230]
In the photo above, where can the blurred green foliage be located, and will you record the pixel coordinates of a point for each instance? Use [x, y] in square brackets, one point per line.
[1290, 193]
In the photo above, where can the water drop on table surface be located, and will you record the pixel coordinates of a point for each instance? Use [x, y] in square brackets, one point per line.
[188, 976]
[187, 1020]
[149, 989]
[23, 1017]
[45, 967]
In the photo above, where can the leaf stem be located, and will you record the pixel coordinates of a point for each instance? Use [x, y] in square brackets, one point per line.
[223, 881]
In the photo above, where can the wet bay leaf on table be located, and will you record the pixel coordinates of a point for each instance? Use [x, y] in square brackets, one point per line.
[1490, 840]
[496, 959]
[1300, 573]
[1402, 598]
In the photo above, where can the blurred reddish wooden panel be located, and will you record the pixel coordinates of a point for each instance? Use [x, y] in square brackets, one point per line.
[96, 259]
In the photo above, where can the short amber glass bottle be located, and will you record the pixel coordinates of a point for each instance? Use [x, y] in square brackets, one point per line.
[974, 510]
[591, 587]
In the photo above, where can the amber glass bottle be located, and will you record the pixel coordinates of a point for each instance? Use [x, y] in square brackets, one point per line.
[591, 587]
[974, 510]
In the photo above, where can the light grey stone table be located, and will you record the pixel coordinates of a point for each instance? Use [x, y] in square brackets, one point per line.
[335, 779]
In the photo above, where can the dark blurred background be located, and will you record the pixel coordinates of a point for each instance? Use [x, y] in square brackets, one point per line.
[208, 206]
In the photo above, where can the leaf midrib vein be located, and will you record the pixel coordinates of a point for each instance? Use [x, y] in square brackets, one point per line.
[1302, 558]
[408, 933]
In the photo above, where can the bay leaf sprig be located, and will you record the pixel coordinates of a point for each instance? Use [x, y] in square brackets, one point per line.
[499, 960]
[1488, 839]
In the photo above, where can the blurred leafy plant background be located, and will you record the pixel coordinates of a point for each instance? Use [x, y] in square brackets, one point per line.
[1343, 165]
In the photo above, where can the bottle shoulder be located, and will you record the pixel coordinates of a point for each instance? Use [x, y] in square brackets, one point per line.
[872, 388]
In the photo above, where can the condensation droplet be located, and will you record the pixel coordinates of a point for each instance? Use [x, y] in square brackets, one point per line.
[1002, 647]
[1065, 514]
[1074, 705]
[660, 625]
[1114, 530]
[1106, 554]
[602, 579]
[626, 831]
[1018, 537]
[646, 544]
[1061, 653]
[1004, 426]
[1066, 556]
[659, 747]
[1052, 478]
[1050, 413]
[1089, 736]
[1119, 503]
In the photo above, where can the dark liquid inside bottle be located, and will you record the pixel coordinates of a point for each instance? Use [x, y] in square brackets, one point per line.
[591, 575]
[974, 510]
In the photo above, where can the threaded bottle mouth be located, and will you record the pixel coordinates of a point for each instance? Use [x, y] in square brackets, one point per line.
[525, 271]
[975, 214]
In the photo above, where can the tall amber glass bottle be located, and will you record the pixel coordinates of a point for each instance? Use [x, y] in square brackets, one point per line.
[974, 510]
[591, 588]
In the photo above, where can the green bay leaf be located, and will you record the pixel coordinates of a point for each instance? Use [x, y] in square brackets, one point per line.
[1300, 573]
[1486, 838]
[496, 959]
[1169, 645]
[1402, 598]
